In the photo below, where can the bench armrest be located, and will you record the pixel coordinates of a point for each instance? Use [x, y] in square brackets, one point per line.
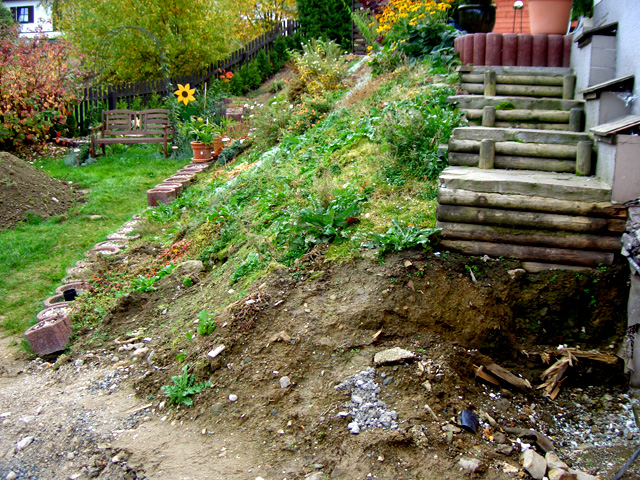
[97, 127]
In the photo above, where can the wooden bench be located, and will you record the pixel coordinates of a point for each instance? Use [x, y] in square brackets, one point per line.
[132, 126]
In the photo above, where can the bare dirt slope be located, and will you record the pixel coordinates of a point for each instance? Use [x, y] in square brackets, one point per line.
[273, 410]
[25, 190]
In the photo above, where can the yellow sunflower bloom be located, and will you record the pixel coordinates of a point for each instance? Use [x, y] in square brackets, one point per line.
[185, 94]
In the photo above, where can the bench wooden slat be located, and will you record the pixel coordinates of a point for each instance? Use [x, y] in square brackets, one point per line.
[131, 127]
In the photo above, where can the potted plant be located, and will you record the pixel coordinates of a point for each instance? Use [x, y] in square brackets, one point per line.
[221, 130]
[551, 16]
[477, 16]
[202, 134]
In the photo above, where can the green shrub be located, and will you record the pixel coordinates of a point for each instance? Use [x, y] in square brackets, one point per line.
[398, 238]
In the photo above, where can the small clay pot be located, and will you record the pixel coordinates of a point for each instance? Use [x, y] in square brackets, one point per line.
[177, 186]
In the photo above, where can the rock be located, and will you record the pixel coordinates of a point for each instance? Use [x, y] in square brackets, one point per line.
[471, 465]
[233, 398]
[392, 355]
[78, 363]
[451, 428]
[553, 461]
[188, 267]
[582, 475]
[315, 476]
[559, 474]
[23, 443]
[500, 438]
[140, 352]
[285, 382]
[504, 449]
[534, 464]
[354, 428]
[11, 476]
[216, 408]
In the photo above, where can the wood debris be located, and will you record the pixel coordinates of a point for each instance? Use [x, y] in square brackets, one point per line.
[500, 372]
[553, 376]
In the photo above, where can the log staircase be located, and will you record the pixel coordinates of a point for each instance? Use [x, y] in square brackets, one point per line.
[520, 181]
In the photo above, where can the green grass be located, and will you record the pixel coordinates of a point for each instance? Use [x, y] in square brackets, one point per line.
[34, 256]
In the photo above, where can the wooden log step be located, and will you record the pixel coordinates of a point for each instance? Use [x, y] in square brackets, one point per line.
[449, 196]
[515, 148]
[522, 103]
[519, 135]
[541, 238]
[526, 219]
[515, 162]
[517, 115]
[553, 81]
[562, 186]
[508, 70]
[530, 253]
[537, 126]
[515, 90]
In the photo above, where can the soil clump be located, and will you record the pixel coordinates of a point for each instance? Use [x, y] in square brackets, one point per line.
[29, 193]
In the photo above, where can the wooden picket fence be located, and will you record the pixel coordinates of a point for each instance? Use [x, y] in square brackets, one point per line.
[110, 94]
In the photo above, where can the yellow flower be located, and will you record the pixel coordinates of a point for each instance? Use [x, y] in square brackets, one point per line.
[185, 94]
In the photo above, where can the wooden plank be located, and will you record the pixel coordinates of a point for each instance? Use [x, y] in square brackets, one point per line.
[530, 253]
[515, 162]
[451, 196]
[611, 128]
[521, 236]
[513, 218]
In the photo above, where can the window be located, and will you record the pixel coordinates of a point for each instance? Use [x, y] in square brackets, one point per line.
[23, 14]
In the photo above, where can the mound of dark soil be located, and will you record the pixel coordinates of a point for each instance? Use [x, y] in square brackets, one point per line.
[27, 190]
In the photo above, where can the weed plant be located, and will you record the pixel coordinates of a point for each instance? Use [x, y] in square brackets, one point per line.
[183, 388]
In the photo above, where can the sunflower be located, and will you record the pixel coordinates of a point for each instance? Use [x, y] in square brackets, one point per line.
[185, 94]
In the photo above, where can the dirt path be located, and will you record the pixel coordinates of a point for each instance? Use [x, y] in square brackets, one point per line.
[85, 423]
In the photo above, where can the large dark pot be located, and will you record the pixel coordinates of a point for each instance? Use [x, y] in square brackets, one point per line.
[476, 18]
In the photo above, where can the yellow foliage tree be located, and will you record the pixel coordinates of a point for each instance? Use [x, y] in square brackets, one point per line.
[194, 33]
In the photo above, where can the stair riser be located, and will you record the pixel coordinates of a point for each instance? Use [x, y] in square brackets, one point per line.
[513, 218]
[547, 81]
[540, 238]
[526, 136]
[567, 152]
[516, 90]
[523, 115]
[515, 163]
[524, 103]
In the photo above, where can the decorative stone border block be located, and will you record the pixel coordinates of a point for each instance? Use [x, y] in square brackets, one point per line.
[514, 50]
[161, 195]
[49, 336]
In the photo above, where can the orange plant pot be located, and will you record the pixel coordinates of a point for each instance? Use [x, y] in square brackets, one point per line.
[549, 16]
[201, 152]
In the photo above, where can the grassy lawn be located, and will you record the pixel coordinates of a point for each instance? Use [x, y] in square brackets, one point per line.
[34, 256]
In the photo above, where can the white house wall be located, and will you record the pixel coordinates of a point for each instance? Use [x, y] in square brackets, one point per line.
[627, 14]
[41, 15]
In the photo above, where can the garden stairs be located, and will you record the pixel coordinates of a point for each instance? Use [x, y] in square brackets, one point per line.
[520, 182]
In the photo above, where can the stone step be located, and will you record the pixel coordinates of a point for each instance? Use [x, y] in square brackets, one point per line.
[518, 115]
[561, 186]
[524, 103]
[519, 135]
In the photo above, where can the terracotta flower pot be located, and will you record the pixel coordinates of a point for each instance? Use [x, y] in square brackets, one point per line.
[201, 152]
[549, 16]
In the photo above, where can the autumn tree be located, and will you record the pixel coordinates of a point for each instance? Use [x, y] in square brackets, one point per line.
[193, 34]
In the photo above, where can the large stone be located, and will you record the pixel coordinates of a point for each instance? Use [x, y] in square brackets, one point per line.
[559, 474]
[188, 267]
[553, 461]
[534, 464]
[471, 465]
[392, 355]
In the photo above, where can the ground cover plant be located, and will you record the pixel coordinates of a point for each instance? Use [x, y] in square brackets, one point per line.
[35, 254]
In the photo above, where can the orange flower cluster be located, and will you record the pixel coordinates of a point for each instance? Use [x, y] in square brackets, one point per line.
[414, 11]
[226, 76]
